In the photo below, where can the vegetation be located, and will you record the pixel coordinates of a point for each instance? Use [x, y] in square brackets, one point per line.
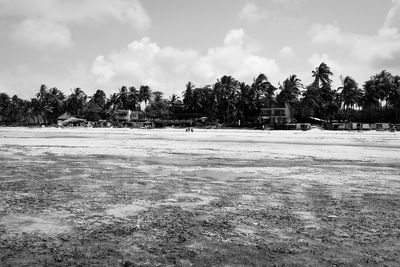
[227, 101]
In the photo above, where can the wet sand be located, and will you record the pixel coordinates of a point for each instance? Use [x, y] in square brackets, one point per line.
[212, 197]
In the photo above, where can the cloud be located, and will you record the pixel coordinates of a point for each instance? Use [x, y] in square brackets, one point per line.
[41, 34]
[57, 15]
[316, 59]
[289, 3]
[168, 69]
[78, 11]
[380, 48]
[393, 16]
[251, 13]
[287, 51]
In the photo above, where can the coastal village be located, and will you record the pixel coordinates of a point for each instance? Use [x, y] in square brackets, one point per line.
[152, 133]
[228, 103]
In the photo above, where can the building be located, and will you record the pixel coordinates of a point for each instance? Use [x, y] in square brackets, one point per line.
[63, 117]
[126, 115]
[123, 115]
[276, 114]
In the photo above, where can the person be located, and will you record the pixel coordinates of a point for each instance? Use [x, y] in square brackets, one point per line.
[191, 129]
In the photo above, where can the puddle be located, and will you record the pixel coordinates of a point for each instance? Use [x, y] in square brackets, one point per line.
[127, 210]
[205, 217]
[279, 233]
[247, 197]
[70, 177]
[218, 174]
[189, 200]
[246, 229]
[30, 224]
[310, 221]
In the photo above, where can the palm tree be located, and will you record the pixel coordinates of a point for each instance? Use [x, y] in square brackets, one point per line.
[158, 106]
[174, 103]
[290, 90]
[321, 75]
[42, 94]
[144, 94]
[311, 100]
[57, 101]
[5, 106]
[393, 97]
[133, 97]
[76, 101]
[99, 98]
[226, 92]
[188, 97]
[247, 104]
[35, 108]
[377, 89]
[43, 105]
[262, 87]
[350, 93]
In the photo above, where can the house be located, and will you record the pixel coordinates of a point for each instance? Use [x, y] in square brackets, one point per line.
[126, 115]
[63, 117]
[382, 126]
[135, 115]
[276, 114]
[123, 115]
[338, 126]
[365, 126]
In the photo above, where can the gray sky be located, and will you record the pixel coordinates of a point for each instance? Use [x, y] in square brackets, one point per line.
[104, 44]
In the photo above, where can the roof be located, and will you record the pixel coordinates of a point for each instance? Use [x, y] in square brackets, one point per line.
[73, 119]
[64, 116]
[122, 111]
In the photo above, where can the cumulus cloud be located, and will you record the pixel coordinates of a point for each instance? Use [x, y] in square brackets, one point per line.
[251, 13]
[289, 3]
[316, 59]
[393, 16]
[379, 50]
[169, 68]
[60, 14]
[287, 51]
[41, 34]
[383, 47]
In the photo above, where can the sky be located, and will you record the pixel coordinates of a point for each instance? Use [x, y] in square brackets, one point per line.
[105, 44]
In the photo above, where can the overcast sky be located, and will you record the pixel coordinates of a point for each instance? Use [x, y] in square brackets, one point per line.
[104, 44]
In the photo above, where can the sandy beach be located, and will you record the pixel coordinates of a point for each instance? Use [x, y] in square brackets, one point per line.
[134, 197]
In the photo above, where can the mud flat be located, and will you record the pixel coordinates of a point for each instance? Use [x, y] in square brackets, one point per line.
[126, 197]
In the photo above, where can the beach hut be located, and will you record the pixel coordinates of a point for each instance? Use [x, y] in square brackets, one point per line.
[73, 121]
[365, 126]
[382, 126]
[355, 126]
[63, 117]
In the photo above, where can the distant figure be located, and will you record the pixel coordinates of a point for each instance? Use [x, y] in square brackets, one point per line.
[191, 129]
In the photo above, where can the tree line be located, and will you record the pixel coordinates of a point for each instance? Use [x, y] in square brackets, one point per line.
[226, 101]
